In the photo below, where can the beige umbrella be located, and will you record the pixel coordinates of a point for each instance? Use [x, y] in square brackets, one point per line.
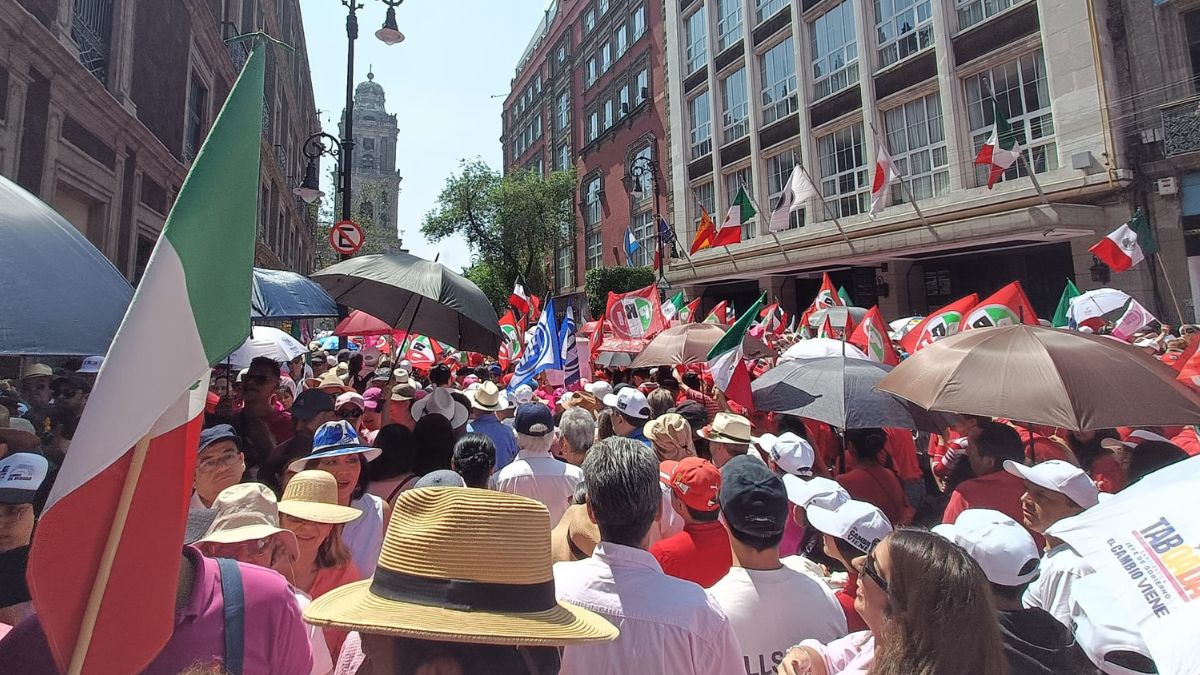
[1044, 376]
[690, 343]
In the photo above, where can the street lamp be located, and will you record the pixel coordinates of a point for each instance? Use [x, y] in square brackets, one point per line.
[639, 169]
[390, 34]
[315, 146]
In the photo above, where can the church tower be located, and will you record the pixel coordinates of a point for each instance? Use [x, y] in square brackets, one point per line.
[375, 182]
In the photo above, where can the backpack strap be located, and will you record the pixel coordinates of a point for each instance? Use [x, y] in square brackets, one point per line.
[235, 615]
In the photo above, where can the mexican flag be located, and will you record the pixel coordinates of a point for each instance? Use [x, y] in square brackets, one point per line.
[689, 312]
[113, 524]
[671, 308]
[740, 212]
[725, 359]
[1008, 306]
[719, 314]
[872, 337]
[1070, 292]
[1127, 245]
[1001, 150]
[940, 324]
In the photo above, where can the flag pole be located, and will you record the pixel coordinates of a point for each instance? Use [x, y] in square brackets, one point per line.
[758, 209]
[908, 193]
[1171, 288]
[829, 212]
[675, 240]
[1033, 177]
[91, 612]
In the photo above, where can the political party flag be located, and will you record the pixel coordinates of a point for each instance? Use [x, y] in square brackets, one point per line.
[1122, 248]
[826, 330]
[798, 190]
[844, 296]
[635, 315]
[939, 324]
[740, 211]
[631, 245]
[725, 359]
[704, 232]
[1061, 318]
[885, 175]
[770, 317]
[1133, 318]
[719, 314]
[1008, 306]
[424, 352]
[690, 311]
[871, 336]
[107, 547]
[519, 298]
[595, 340]
[671, 308]
[542, 349]
[1001, 150]
[513, 335]
[569, 350]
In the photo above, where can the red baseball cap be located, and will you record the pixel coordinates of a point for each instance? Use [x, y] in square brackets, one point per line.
[697, 482]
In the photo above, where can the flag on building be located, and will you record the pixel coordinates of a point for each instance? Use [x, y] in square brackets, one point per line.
[569, 350]
[635, 315]
[138, 436]
[726, 363]
[939, 324]
[704, 232]
[1001, 150]
[671, 308]
[719, 314]
[798, 190]
[740, 211]
[690, 311]
[1061, 318]
[872, 337]
[519, 298]
[1126, 246]
[631, 245]
[542, 349]
[885, 175]
[665, 232]
[1008, 306]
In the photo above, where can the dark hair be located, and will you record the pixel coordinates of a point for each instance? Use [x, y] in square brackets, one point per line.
[1087, 452]
[440, 375]
[474, 457]
[703, 516]
[756, 541]
[791, 423]
[623, 489]
[363, 474]
[399, 450]
[413, 653]
[660, 401]
[866, 444]
[604, 424]
[1150, 456]
[635, 422]
[580, 495]
[692, 380]
[846, 549]
[1000, 442]
[1011, 593]
[265, 362]
[434, 440]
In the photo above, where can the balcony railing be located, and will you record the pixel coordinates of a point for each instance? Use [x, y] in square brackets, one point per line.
[91, 29]
[1181, 127]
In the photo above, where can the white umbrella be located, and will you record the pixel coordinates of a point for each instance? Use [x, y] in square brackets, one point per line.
[266, 341]
[1094, 305]
[816, 348]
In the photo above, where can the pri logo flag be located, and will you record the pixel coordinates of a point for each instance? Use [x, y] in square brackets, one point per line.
[942, 323]
[634, 315]
[1008, 306]
[542, 349]
[871, 336]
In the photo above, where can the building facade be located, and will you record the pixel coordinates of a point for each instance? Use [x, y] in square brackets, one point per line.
[590, 93]
[104, 104]
[756, 87]
[375, 182]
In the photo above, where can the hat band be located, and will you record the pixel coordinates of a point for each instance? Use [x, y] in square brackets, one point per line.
[463, 594]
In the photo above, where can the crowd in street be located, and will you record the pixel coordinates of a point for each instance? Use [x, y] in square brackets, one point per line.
[351, 514]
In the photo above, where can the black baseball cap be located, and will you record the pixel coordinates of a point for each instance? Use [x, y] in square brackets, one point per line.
[753, 498]
[216, 433]
[534, 419]
[310, 403]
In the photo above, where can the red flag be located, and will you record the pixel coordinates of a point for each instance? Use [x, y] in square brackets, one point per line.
[690, 312]
[514, 338]
[519, 298]
[871, 336]
[704, 232]
[535, 305]
[739, 386]
[719, 314]
[826, 330]
[595, 340]
[827, 296]
[1008, 306]
[635, 315]
[942, 323]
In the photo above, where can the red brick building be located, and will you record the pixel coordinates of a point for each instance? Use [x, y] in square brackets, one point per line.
[590, 92]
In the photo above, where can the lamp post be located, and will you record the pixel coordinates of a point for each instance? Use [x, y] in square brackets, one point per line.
[640, 169]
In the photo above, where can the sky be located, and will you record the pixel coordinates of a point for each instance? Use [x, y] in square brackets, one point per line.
[446, 83]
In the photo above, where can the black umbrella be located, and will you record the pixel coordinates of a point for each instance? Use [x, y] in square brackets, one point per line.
[414, 294]
[281, 295]
[60, 295]
[614, 359]
[839, 391]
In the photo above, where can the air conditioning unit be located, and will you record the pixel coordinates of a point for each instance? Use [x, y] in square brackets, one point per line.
[1166, 186]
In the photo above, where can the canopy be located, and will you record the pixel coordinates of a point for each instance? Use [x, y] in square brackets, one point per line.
[280, 295]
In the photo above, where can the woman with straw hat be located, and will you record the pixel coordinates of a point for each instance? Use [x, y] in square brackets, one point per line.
[464, 584]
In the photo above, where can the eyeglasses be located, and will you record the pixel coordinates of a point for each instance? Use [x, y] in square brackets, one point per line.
[240, 549]
[211, 463]
[871, 572]
[351, 414]
[14, 511]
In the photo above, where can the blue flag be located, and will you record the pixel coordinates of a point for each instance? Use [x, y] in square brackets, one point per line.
[665, 233]
[570, 354]
[631, 245]
[542, 349]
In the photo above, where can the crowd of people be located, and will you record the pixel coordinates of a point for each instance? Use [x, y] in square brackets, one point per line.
[373, 517]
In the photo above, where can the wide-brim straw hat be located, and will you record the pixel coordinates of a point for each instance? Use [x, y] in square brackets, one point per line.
[463, 565]
[487, 397]
[575, 537]
[728, 428]
[312, 495]
[330, 380]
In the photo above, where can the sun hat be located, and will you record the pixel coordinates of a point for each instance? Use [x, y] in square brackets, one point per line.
[352, 398]
[599, 389]
[342, 371]
[534, 419]
[17, 432]
[694, 413]
[330, 380]
[440, 478]
[695, 481]
[575, 536]
[218, 432]
[37, 370]
[372, 398]
[198, 522]
[857, 523]
[399, 375]
[310, 403]
[578, 399]
[629, 401]
[1136, 437]
[334, 439]
[441, 402]
[790, 452]
[381, 373]
[404, 391]
[432, 583]
[312, 495]
[728, 428]
[671, 436]
[753, 499]
[1058, 476]
[486, 397]
[495, 370]
[244, 512]
[21, 477]
[1003, 548]
[91, 365]
[819, 491]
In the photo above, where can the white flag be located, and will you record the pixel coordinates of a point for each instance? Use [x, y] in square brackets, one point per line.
[885, 175]
[798, 190]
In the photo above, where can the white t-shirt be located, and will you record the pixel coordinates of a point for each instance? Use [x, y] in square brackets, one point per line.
[772, 610]
[1051, 591]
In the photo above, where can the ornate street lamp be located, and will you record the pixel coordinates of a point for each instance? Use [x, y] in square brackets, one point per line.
[639, 170]
[315, 146]
[390, 34]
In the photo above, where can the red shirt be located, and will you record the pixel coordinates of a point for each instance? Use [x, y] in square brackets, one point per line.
[1188, 441]
[280, 424]
[700, 553]
[881, 487]
[999, 490]
[903, 450]
[845, 598]
[824, 442]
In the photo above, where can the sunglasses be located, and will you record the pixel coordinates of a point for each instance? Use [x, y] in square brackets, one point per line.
[66, 393]
[351, 414]
[870, 571]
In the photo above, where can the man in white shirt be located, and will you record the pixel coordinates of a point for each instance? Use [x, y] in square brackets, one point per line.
[535, 473]
[668, 626]
[1054, 490]
[770, 605]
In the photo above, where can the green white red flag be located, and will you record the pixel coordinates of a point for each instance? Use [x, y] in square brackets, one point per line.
[670, 308]
[940, 324]
[872, 337]
[514, 339]
[719, 314]
[1001, 150]
[138, 435]
[1008, 306]
[725, 359]
[690, 311]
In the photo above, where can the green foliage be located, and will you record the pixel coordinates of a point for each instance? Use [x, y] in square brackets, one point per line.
[492, 282]
[601, 280]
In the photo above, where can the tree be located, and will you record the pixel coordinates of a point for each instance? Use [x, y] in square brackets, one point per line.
[600, 280]
[513, 223]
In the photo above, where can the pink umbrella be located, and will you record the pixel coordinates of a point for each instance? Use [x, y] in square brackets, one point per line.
[361, 323]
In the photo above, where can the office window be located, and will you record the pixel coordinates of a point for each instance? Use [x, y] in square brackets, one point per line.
[608, 114]
[592, 214]
[700, 123]
[971, 12]
[593, 126]
[562, 111]
[917, 144]
[844, 181]
[589, 21]
[641, 85]
[639, 22]
[696, 39]
[537, 126]
[778, 70]
[623, 101]
[733, 181]
[591, 73]
[562, 53]
[197, 117]
[903, 28]
[605, 57]
[1020, 90]
[729, 23]
[602, 7]
[735, 120]
[779, 170]
[767, 8]
[564, 157]
[564, 270]
[835, 51]
[621, 37]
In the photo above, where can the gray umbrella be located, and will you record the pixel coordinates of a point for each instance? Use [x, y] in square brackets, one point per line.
[839, 391]
[61, 296]
[614, 359]
[412, 293]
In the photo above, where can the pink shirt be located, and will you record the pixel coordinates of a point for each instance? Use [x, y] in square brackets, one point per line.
[668, 626]
[275, 638]
[851, 655]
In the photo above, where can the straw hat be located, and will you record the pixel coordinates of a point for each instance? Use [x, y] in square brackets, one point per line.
[579, 399]
[441, 402]
[17, 432]
[671, 436]
[728, 428]
[330, 380]
[486, 397]
[463, 565]
[312, 495]
[575, 536]
[245, 512]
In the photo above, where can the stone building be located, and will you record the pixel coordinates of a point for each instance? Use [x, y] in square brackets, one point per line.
[375, 182]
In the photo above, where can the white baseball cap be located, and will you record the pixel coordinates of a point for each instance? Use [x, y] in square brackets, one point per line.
[1112, 642]
[817, 491]
[599, 388]
[629, 401]
[21, 476]
[523, 394]
[91, 364]
[1135, 438]
[857, 523]
[1059, 476]
[1003, 548]
[792, 453]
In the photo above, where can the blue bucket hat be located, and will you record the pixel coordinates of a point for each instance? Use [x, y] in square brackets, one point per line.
[334, 439]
